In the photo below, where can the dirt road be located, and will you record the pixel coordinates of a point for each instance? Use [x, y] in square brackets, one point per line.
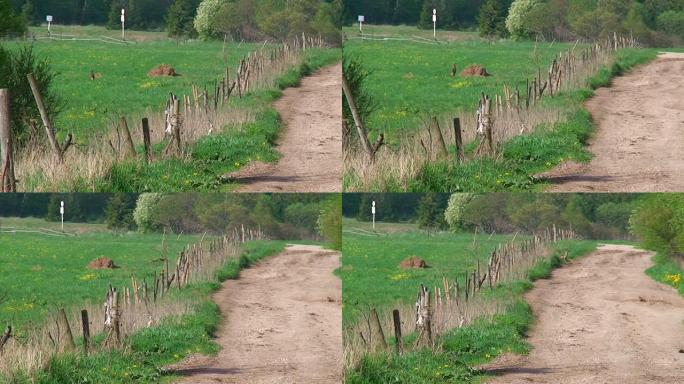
[310, 143]
[601, 320]
[639, 142]
[282, 323]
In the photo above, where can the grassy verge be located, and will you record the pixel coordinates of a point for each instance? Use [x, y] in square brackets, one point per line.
[544, 149]
[152, 348]
[667, 271]
[230, 149]
[463, 348]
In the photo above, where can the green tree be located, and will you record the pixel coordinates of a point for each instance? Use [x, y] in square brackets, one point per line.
[28, 13]
[518, 16]
[493, 18]
[119, 212]
[672, 22]
[330, 222]
[455, 214]
[181, 17]
[10, 23]
[205, 13]
[430, 212]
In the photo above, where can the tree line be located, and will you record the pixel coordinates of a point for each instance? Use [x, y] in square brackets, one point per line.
[654, 22]
[238, 19]
[278, 216]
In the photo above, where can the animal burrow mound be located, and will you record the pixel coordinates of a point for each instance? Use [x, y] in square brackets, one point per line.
[163, 70]
[413, 262]
[102, 263]
[475, 70]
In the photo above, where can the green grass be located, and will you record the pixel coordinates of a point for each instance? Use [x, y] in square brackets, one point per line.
[527, 155]
[664, 268]
[410, 81]
[369, 261]
[124, 87]
[153, 348]
[42, 273]
[366, 283]
[230, 149]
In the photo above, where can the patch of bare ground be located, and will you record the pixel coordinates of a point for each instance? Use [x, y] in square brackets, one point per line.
[639, 141]
[282, 323]
[601, 320]
[311, 141]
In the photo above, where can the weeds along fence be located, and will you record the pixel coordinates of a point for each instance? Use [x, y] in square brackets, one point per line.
[202, 111]
[125, 310]
[455, 303]
[498, 118]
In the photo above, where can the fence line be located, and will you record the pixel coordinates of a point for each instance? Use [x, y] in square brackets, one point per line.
[457, 301]
[126, 309]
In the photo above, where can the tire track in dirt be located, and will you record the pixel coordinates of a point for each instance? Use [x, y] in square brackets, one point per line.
[282, 323]
[638, 145]
[601, 320]
[310, 143]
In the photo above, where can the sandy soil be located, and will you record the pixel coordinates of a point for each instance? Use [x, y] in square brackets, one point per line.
[639, 142]
[601, 320]
[282, 323]
[311, 142]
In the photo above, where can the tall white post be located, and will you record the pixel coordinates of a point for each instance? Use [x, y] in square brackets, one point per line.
[49, 21]
[123, 24]
[61, 212]
[434, 23]
[373, 212]
[361, 20]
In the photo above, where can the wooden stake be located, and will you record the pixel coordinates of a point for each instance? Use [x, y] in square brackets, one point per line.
[397, 332]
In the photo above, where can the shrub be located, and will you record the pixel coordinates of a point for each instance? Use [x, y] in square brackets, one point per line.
[205, 14]
[14, 66]
[672, 22]
[144, 213]
[516, 22]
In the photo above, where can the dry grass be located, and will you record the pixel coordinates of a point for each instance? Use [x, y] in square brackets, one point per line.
[32, 353]
[398, 164]
[89, 162]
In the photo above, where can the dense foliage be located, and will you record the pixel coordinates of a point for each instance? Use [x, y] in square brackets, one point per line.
[655, 22]
[25, 119]
[659, 222]
[11, 23]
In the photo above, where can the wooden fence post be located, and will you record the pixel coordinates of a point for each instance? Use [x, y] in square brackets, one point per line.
[459, 139]
[7, 181]
[50, 130]
[5, 337]
[423, 317]
[112, 318]
[86, 331]
[361, 130]
[68, 343]
[146, 139]
[377, 335]
[437, 131]
[397, 332]
[130, 147]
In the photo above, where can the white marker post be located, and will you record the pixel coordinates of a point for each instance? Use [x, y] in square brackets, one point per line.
[123, 24]
[434, 23]
[49, 21]
[361, 20]
[373, 212]
[61, 212]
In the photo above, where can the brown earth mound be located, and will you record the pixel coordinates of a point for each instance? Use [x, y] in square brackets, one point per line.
[474, 70]
[162, 70]
[102, 263]
[413, 262]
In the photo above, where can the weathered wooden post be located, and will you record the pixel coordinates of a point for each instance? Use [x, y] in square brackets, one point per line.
[130, 147]
[112, 318]
[68, 343]
[5, 337]
[86, 331]
[146, 139]
[7, 179]
[377, 335]
[458, 135]
[59, 151]
[437, 132]
[423, 317]
[397, 332]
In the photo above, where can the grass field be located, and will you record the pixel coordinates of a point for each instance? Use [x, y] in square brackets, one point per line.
[370, 261]
[371, 278]
[124, 87]
[42, 273]
[411, 81]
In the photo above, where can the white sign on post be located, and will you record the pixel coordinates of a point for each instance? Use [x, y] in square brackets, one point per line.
[49, 21]
[373, 212]
[434, 23]
[61, 212]
[361, 20]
